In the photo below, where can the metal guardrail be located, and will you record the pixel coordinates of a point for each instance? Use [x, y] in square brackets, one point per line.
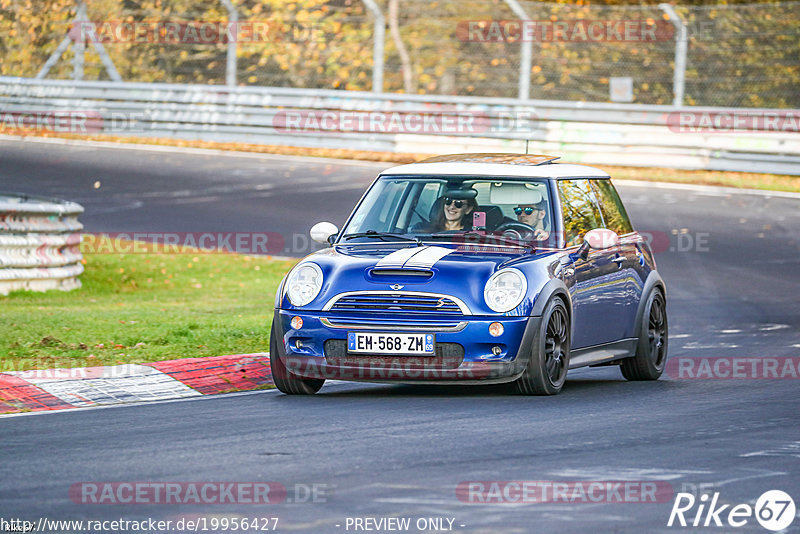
[599, 133]
[39, 244]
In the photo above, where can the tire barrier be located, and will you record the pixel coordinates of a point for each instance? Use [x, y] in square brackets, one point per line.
[39, 244]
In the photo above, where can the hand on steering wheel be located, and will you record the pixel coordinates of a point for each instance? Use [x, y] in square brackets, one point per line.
[515, 230]
[520, 230]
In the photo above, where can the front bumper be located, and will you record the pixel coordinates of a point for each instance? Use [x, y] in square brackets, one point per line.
[464, 348]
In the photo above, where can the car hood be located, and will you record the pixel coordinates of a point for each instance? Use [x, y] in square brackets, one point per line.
[457, 271]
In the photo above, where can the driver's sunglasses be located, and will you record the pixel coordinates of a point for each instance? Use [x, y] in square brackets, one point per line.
[527, 210]
[457, 203]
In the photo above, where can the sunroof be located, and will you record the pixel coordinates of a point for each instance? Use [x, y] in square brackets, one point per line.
[506, 159]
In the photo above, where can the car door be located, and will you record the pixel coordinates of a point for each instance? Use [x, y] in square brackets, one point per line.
[628, 256]
[597, 283]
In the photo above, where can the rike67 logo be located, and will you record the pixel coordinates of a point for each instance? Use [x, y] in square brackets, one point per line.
[774, 510]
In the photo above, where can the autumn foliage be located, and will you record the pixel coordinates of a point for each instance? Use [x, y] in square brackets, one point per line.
[739, 54]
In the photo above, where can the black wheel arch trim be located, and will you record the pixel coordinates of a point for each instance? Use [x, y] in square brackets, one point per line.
[554, 287]
[653, 281]
[278, 331]
[279, 293]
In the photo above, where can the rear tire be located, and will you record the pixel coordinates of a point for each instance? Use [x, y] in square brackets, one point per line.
[284, 380]
[651, 350]
[548, 363]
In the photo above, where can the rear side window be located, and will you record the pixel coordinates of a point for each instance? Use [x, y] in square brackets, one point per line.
[580, 209]
[614, 215]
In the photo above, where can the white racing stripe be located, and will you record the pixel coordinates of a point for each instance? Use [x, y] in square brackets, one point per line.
[427, 257]
[414, 257]
[398, 257]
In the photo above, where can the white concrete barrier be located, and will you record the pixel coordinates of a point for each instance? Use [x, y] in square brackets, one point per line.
[763, 140]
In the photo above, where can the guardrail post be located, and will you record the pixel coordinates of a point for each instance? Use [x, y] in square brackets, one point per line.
[53, 59]
[80, 49]
[526, 53]
[681, 46]
[379, 36]
[233, 20]
[80, 44]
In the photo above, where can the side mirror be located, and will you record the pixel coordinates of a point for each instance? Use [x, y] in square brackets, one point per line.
[598, 239]
[323, 231]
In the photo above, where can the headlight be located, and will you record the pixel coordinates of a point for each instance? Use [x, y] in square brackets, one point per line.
[505, 290]
[304, 284]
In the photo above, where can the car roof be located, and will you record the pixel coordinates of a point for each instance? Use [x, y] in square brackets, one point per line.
[524, 165]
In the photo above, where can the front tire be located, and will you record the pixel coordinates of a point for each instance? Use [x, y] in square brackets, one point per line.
[651, 350]
[285, 381]
[548, 363]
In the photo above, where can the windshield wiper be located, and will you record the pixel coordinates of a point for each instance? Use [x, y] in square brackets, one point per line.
[383, 236]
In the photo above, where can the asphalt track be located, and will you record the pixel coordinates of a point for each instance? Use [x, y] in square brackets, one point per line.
[732, 267]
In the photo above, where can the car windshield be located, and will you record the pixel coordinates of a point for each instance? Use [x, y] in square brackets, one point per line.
[481, 209]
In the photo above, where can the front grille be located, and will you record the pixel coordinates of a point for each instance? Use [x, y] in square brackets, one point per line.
[400, 303]
[448, 356]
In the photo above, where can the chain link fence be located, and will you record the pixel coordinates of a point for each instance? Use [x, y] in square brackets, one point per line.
[736, 55]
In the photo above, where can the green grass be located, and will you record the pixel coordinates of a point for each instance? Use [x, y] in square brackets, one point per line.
[138, 308]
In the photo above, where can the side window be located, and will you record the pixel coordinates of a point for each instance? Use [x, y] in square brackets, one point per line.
[614, 214]
[580, 210]
[390, 204]
[378, 208]
[426, 199]
[483, 192]
[419, 209]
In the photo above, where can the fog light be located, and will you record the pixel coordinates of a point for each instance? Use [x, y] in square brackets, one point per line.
[298, 344]
[496, 350]
[297, 322]
[496, 329]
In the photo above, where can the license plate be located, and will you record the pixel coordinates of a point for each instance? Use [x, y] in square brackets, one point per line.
[377, 343]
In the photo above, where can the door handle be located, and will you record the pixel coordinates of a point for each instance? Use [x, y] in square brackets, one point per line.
[618, 260]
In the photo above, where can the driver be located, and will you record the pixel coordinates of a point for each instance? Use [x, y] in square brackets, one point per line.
[534, 216]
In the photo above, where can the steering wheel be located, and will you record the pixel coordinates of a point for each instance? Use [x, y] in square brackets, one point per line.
[514, 229]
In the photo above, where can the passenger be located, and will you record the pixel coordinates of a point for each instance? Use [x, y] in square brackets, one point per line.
[534, 216]
[455, 214]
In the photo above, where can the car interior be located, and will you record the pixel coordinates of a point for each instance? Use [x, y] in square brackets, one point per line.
[496, 200]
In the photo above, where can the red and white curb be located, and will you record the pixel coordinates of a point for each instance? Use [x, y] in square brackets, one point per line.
[61, 389]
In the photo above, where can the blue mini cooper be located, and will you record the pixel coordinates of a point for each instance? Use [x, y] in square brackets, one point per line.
[474, 269]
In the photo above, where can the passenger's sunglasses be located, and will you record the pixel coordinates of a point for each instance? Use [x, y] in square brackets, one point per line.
[457, 203]
[527, 211]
